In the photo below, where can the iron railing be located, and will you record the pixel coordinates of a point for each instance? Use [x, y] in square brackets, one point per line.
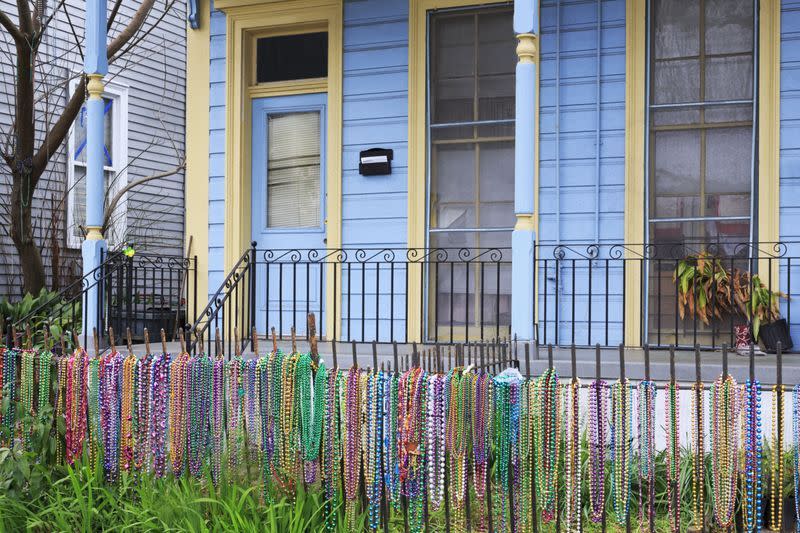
[603, 294]
[609, 294]
[137, 292]
[439, 295]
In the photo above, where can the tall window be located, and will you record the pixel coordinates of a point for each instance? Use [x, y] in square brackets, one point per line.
[701, 145]
[472, 61]
[115, 161]
[701, 120]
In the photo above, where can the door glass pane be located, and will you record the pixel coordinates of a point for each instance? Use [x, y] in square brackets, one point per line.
[700, 155]
[293, 170]
[471, 182]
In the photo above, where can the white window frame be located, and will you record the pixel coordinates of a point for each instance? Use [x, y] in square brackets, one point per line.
[119, 120]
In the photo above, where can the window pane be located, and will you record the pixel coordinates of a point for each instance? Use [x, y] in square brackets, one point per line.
[292, 57]
[293, 170]
[676, 81]
[729, 26]
[677, 29]
[729, 78]
[453, 186]
[676, 167]
[79, 134]
[497, 185]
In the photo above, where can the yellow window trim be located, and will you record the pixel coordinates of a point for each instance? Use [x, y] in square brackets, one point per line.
[197, 140]
[768, 134]
[417, 140]
[246, 19]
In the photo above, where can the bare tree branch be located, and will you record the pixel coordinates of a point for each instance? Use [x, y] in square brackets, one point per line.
[135, 183]
[25, 22]
[60, 129]
[10, 27]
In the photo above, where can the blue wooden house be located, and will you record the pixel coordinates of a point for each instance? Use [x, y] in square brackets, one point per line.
[441, 170]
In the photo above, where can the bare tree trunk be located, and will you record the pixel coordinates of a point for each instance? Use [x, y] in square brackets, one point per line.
[30, 259]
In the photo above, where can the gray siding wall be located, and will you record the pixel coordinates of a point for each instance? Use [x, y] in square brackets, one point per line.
[154, 73]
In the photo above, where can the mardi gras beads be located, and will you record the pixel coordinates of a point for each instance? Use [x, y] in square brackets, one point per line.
[331, 449]
[572, 460]
[8, 391]
[796, 449]
[177, 412]
[26, 395]
[725, 407]
[143, 402]
[501, 438]
[45, 365]
[435, 449]
[373, 449]
[390, 468]
[547, 434]
[621, 447]
[61, 377]
[646, 395]
[217, 418]
[126, 413]
[524, 496]
[698, 455]
[200, 370]
[76, 405]
[598, 435]
[480, 417]
[311, 398]
[110, 379]
[234, 392]
[94, 369]
[672, 408]
[776, 477]
[352, 441]
[160, 392]
[751, 471]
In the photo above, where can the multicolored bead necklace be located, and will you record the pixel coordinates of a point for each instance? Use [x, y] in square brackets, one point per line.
[572, 458]
[331, 449]
[598, 437]
[311, 398]
[672, 409]
[217, 418]
[457, 435]
[502, 431]
[9, 374]
[621, 448]
[127, 399]
[26, 395]
[725, 406]
[547, 438]
[352, 441]
[646, 395]
[776, 477]
[200, 370]
[110, 381]
[75, 405]
[436, 440]
[698, 456]
[796, 449]
[480, 416]
[751, 469]
[160, 409]
[142, 459]
[178, 382]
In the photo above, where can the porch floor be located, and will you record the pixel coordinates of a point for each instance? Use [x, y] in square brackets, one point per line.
[711, 361]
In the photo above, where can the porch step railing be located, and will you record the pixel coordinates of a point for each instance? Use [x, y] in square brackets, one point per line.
[142, 291]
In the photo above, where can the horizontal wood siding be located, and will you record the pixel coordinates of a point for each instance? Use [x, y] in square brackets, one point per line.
[216, 156]
[573, 72]
[790, 151]
[154, 73]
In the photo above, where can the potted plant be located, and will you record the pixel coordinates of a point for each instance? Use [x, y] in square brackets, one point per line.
[704, 288]
[761, 307]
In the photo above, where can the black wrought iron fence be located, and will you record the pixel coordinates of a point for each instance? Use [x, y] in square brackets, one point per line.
[383, 294]
[681, 294]
[137, 292]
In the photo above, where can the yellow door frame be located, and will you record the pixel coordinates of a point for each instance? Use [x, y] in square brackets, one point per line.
[198, 53]
[247, 19]
[768, 190]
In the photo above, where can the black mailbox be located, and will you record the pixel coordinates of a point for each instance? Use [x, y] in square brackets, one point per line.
[375, 161]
